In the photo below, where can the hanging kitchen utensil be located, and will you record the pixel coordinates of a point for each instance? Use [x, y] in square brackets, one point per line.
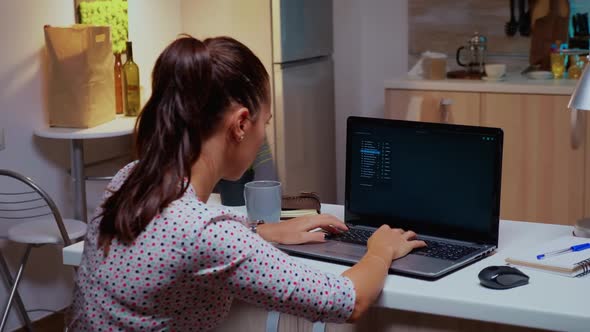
[511, 26]
[584, 24]
[524, 21]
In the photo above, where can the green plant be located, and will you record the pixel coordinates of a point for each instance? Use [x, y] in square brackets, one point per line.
[108, 12]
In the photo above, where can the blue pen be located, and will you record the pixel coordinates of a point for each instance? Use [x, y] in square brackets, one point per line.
[578, 247]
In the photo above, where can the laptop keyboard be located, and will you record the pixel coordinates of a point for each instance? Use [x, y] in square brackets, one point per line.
[442, 250]
[354, 235]
[435, 249]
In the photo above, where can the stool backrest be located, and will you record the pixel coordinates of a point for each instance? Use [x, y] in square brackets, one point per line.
[22, 199]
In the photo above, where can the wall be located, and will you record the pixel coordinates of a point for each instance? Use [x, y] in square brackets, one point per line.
[47, 284]
[152, 26]
[370, 46]
[21, 110]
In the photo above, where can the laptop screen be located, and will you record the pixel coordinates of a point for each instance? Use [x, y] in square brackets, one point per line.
[436, 179]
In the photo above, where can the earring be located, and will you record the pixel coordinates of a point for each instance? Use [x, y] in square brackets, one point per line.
[241, 138]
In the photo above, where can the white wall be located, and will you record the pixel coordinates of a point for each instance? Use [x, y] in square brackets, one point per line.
[46, 283]
[152, 25]
[370, 46]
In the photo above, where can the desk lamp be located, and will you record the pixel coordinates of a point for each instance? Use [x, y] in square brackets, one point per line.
[580, 101]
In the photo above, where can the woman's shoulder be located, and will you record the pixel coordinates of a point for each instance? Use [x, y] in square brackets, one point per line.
[190, 206]
[121, 176]
[190, 216]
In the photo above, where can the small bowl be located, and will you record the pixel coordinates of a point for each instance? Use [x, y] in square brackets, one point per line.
[539, 75]
[495, 70]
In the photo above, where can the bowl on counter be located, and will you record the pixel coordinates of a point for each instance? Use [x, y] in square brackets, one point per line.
[539, 75]
[495, 71]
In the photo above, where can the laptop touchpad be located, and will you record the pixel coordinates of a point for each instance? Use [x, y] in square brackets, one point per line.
[421, 263]
[344, 250]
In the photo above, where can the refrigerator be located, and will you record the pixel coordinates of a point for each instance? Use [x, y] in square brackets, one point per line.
[293, 39]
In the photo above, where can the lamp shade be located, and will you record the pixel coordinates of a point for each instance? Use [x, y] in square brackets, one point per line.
[580, 99]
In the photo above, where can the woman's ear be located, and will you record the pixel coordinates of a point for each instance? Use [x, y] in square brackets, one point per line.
[240, 123]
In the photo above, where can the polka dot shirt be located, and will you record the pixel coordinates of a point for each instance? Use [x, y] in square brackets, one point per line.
[184, 270]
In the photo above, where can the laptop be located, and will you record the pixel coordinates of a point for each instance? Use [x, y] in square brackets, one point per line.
[440, 180]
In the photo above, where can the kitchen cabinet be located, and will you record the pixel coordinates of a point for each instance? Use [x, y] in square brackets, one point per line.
[543, 177]
[433, 106]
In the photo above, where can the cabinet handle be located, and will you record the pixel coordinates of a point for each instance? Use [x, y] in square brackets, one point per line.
[444, 109]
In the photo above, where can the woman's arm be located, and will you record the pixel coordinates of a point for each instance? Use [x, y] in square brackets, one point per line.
[233, 259]
[369, 274]
[230, 259]
[368, 277]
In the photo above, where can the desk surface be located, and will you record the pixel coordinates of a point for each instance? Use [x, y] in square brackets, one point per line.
[121, 125]
[548, 301]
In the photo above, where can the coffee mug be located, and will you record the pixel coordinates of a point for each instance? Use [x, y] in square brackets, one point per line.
[263, 200]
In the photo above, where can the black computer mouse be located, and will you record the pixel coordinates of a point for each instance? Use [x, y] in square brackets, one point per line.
[502, 277]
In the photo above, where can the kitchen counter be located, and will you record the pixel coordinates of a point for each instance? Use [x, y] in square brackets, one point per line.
[514, 83]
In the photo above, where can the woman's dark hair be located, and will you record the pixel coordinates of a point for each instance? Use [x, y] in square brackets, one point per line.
[194, 83]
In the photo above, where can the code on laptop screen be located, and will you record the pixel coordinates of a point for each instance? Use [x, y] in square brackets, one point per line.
[437, 178]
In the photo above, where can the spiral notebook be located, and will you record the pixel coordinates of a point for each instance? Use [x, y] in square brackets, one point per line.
[573, 264]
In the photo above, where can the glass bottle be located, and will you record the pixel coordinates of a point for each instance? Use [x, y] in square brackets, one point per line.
[118, 84]
[131, 79]
[575, 69]
[557, 64]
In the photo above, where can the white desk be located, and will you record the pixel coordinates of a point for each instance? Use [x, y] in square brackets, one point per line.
[120, 126]
[548, 301]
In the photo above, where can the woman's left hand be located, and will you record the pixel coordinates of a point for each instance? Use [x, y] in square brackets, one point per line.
[297, 230]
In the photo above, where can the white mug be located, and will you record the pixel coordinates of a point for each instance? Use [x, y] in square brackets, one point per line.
[495, 70]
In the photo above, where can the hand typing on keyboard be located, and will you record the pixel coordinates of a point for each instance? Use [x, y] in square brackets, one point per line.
[362, 236]
[354, 235]
[297, 230]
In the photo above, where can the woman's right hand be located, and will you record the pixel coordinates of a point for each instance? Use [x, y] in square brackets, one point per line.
[392, 243]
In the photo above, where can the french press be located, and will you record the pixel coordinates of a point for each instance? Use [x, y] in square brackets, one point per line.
[476, 53]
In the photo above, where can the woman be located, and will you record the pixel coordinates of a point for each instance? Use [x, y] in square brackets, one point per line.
[158, 257]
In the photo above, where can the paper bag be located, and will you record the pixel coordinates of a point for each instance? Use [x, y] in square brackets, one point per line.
[81, 91]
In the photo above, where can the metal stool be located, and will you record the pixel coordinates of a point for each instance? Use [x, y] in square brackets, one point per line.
[35, 221]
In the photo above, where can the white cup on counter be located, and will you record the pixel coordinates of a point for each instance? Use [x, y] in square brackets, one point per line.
[495, 70]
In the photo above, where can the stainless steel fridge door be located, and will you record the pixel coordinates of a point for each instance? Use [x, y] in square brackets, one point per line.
[304, 127]
[302, 29]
